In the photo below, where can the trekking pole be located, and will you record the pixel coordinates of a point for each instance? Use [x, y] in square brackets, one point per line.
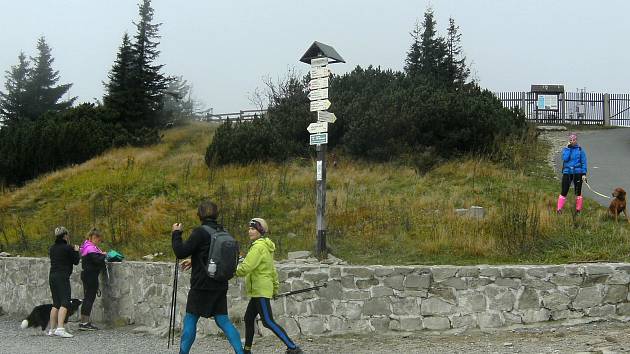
[171, 320]
[299, 291]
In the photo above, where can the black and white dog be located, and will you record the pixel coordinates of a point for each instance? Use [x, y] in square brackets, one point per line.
[40, 316]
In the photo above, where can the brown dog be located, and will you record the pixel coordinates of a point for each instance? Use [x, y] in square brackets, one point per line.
[618, 204]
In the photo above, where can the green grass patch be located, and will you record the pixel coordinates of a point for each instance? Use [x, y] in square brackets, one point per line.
[376, 213]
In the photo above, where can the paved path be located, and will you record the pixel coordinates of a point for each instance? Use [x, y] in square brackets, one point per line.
[608, 155]
[598, 337]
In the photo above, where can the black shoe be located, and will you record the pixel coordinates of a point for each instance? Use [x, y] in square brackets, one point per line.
[247, 351]
[295, 350]
[87, 327]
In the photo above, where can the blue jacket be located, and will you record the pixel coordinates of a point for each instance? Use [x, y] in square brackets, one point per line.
[573, 160]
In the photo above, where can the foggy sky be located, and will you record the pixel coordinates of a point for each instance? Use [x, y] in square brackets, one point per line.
[226, 48]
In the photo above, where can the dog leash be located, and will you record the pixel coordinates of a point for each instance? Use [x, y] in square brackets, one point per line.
[594, 191]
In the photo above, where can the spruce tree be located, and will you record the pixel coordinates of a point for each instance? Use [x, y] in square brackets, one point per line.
[42, 93]
[457, 70]
[13, 101]
[118, 91]
[148, 83]
[427, 54]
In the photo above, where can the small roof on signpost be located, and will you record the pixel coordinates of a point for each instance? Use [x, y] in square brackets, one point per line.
[318, 50]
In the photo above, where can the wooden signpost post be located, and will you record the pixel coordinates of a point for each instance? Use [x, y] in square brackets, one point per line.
[319, 55]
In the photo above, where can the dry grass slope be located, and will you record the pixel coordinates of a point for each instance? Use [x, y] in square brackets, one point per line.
[376, 213]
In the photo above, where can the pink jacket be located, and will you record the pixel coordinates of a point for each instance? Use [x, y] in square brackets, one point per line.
[89, 247]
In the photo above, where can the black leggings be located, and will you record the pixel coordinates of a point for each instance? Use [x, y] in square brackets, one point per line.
[90, 288]
[576, 178]
[260, 306]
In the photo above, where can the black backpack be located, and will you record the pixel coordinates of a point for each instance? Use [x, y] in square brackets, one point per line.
[222, 255]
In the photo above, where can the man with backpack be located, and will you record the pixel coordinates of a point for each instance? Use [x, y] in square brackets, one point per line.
[208, 295]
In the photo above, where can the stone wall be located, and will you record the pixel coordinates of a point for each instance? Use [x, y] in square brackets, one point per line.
[357, 298]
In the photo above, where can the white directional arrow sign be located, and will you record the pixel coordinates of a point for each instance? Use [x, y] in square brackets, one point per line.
[319, 127]
[324, 116]
[319, 62]
[318, 84]
[321, 105]
[319, 71]
[318, 94]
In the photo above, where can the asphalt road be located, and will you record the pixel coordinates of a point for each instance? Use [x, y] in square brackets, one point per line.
[608, 156]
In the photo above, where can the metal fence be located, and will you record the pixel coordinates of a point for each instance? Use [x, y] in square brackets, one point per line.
[235, 116]
[573, 108]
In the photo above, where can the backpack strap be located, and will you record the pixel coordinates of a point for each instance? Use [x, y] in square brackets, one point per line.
[211, 232]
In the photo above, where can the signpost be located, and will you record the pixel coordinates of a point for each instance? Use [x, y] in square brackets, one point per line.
[319, 127]
[319, 55]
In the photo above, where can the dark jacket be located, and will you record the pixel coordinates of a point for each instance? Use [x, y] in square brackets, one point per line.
[93, 262]
[197, 247]
[62, 257]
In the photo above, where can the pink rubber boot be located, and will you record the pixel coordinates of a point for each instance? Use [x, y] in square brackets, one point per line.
[578, 203]
[561, 200]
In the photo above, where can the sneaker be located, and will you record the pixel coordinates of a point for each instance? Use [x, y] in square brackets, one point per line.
[295, 350]
[87, 327]
[50, 333]
[61, 332]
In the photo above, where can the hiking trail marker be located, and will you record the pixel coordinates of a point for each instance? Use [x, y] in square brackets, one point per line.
[319, 55]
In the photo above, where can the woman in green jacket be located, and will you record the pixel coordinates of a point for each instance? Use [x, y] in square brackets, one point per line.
[261, 281]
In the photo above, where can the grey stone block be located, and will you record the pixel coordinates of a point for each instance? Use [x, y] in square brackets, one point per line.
[619, 278]
[566, 314]
[347, 281]
[359, 272]
[435, 306]
[378, 306]
[556, 301]
[379, 291]
[380, 324]
[350, 310]
[321, 307]
[474, 302]
[528, 299]
[538, 284]
[623, 309]
[366, 283]
[512, 318]
[410, 323]
[463, 321]
[513, 272]
[394, 282]
[382, 271]
[590, 280]
[532, 316]
[436, 323]
[456, 283]
[587, 297]
[566, 280]
[356, 295]
[406, 306]
[490, 320]
[475, 283]
[315, 277]
[490, 272]
[470, 271]
[442, 273]
[417, 281]
[616, 294]
[313, 325]
[447, 294]
[508, 283]
[596, 269]
[601, 311]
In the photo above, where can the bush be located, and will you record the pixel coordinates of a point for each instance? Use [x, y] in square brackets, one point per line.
[382, 115]
[53, 141]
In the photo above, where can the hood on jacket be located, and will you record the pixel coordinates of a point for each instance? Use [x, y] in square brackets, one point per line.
[267, 243]
[88, 247]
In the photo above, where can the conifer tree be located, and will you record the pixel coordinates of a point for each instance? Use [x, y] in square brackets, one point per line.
[118, 97]
[457, 70]
[42, 93]
[13, 100]
[427, 54]
[148, 83]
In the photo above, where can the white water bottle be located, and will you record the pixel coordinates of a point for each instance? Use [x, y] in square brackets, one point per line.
[212, 267]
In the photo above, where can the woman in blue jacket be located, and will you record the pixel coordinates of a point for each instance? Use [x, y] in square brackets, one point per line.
[574, 170]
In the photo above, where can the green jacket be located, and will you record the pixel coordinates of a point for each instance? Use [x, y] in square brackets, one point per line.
[261, 278]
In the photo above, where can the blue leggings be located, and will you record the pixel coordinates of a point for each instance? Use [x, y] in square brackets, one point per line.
[223, 321]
